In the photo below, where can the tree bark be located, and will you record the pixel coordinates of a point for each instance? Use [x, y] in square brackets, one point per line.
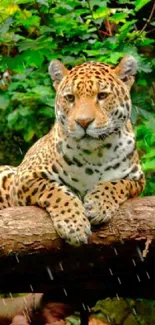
[29, 229]
[118, 260]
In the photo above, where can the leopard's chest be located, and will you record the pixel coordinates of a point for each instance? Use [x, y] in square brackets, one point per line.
[81, 165]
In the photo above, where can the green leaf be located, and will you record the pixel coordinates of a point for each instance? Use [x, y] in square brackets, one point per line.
[24, 1]
[101, 13]
[28, 134]
[12, 118]
[33, 58]
[119, 17]
[28, 44]
[73, 320]
[45, 29]
[98, 3]
[146, 42]
[150, 154]
[124, 1]
[127, 25]
[151, 124]
[138, 111]
[140, 4]
[42, 90]
[149, 164]
[4, 102]
[114, 57]
[43, 2]
[5, 26]
[47, 112]
[26, 19]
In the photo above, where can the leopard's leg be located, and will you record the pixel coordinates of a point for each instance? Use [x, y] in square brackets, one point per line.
[6, 180]
[104, 200]
[65, 208]
[67, 213]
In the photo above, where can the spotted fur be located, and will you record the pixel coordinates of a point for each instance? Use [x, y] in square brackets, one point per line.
[87, 165]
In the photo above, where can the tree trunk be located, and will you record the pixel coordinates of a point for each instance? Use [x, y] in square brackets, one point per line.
[118, 261]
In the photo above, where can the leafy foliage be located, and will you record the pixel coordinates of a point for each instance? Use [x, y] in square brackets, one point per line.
[120, 311]
[32, 32]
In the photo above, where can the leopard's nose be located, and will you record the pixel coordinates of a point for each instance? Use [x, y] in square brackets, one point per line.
[84, 122]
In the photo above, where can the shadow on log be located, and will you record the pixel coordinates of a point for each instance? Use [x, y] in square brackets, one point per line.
[118, 260]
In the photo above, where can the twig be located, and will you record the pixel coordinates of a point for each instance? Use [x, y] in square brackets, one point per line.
[150, 31]
[91, 12]
[147, 244]
[40, 13]
[148, 20]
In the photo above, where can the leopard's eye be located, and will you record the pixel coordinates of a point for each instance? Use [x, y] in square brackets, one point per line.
[102, 95]
[70, 98]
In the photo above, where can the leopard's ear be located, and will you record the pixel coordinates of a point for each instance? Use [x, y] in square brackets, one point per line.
[57, 71]
[126, 70]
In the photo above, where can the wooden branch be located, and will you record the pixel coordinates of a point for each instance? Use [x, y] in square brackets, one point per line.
[148, 20]
[26, 230]
[119, 259]
[29, 229]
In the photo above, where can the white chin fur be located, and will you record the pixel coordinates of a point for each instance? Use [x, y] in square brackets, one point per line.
[76, 134]
[97, 133]
[81, 133]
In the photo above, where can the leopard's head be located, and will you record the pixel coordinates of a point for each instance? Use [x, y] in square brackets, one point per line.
[93, 99]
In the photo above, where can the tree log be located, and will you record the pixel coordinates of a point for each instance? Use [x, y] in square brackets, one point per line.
[117, 261]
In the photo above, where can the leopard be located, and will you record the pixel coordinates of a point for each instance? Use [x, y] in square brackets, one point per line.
[88, 164]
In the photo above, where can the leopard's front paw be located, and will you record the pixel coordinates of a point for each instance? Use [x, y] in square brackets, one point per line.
[99, 210]
[75, 229]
